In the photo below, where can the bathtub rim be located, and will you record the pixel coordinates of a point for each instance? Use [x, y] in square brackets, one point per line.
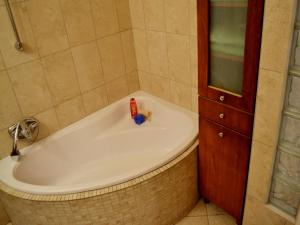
[35, 188]
[101, 191]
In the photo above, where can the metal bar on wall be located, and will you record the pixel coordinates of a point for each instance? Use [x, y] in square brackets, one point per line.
[18, 44]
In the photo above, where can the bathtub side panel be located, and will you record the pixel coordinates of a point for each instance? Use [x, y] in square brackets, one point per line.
[3, 216]
[161, 200]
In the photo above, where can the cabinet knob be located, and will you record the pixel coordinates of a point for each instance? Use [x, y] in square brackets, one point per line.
[221, 134]
[222, 98]
[221, 115]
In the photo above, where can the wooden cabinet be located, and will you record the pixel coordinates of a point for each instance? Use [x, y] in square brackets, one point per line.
[229, 36]
[230, 117]
[223, 165]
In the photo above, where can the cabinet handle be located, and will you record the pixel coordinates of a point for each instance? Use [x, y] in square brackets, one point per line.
[221, 116]
[222, 98]
[221, 134]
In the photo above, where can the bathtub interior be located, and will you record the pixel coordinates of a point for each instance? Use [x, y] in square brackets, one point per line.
[108, 146]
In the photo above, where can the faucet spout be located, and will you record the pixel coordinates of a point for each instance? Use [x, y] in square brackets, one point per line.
[23, 130]
[15, 151]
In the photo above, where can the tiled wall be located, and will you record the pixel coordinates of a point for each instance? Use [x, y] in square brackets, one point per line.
[72, 50]
[275, 51]
[79, 56]
[165, 38]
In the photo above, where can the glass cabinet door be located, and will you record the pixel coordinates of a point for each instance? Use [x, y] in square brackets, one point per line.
[227, 31]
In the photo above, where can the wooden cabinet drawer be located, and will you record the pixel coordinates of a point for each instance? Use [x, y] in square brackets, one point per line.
[227, 116]
[223, 166]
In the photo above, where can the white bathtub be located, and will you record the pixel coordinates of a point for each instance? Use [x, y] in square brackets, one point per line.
[103, 149]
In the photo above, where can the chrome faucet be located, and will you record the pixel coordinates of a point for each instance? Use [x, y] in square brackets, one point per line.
[24, 129]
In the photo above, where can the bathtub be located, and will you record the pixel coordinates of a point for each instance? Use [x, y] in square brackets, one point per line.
[106, 159]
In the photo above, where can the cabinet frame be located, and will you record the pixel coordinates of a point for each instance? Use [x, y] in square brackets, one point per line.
[246, 100]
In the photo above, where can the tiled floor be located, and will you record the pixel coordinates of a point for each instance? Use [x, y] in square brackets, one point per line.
[207, 214]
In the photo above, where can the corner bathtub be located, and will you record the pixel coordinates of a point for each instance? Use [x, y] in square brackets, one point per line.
[105, 169]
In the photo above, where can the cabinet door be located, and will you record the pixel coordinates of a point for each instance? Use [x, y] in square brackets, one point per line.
[229, 34]
[223, 166]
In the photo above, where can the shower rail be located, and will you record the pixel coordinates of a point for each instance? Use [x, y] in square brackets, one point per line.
[18, 44]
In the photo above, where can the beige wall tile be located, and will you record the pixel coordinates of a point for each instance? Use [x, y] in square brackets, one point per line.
[157, 50]
[194, 60]
[260, 171]
[133, 82]
[105, 16]
[129, 52]
[117, 89]
[175, 23]
[6, 148]
[11, 56]
[277, 31]
[6, 32]
[2, 1]
[155, 15]
[289, 223]
[61, 77]
[179, 57]
[137, 13]
[123, 10]
[256, 213]
[9, 109]
[141, 50]
[88, 66]
[112, 56]
[161, 87]
[31, 88]
[195, 107]
[2, 65]
[48, 26]
[268, 107]
[48, 123]
[70, 111]
[3, 216]
[193, 17]
[78, 20]
[181, 94]
[145, 80]
[95, 99]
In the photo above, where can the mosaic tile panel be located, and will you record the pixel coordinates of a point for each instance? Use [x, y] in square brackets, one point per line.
[161, 197]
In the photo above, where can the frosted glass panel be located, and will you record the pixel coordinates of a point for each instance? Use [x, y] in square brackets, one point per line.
[227, 40]
[224, 76]
[294, 94]
[290, 129]
[285, 196]
[288, 166]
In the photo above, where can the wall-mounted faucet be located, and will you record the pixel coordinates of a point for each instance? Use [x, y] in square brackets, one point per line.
[24, 129]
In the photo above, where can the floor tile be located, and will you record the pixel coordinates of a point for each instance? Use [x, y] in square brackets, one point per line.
[221, 220]
[199, 210]
[214, 210]
[201, 220]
